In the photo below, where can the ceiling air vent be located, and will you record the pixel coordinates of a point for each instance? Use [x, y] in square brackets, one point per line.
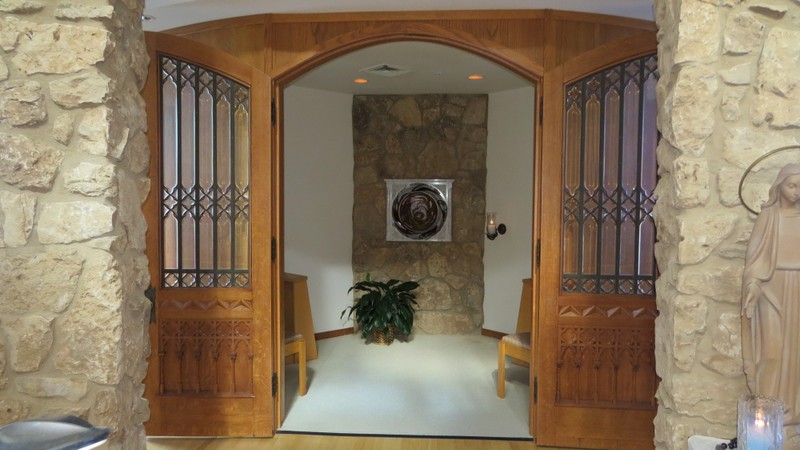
[385, 70]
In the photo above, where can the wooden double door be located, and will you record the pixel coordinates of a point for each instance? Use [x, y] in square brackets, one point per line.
[210, 224]
[213, 228]
[595, 358]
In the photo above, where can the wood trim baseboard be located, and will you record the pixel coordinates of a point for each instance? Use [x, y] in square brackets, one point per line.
[334, 333]
[492, 333]
[346, 331]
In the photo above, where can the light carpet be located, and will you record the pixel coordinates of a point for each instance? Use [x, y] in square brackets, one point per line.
[433, 385]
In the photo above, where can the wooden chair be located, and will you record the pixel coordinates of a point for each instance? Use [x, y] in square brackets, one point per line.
[517, 345]
[297, 344]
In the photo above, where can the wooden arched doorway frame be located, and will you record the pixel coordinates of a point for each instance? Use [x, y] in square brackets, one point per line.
[392, 32]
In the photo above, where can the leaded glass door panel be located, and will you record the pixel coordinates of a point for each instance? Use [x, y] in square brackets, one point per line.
[595, 367]
[210, 367]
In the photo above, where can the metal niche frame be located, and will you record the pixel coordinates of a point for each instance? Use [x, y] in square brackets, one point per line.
[419, 210]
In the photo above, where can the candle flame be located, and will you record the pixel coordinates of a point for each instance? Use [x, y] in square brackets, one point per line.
[759, 419]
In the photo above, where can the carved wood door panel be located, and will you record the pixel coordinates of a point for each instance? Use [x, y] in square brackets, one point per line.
[596, 365]
[208, 213]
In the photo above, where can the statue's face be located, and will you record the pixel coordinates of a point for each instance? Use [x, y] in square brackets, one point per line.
[790, 190]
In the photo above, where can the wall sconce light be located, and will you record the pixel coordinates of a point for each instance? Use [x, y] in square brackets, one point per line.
[492, 227]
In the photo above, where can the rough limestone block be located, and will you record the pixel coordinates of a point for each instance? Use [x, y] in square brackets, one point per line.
[3, 365]
[743, 145]
[728, 185]
[691, 177]
[740, 74]
[136, 344]
[30, 339]
[65, 222]
[49, 277]
[87, 88]
[701, 233]
[21, 6]
[84, 9]
[727, 336]
[92, 180]
[434, 295]
[700, 397]
[91, 329]
[26, 165]
[774, 9]
[17, 212]
[698, 33]
[129, 211]
[778, 99]
[717, 279]
[22, 103]
[56, 48]
[3, 70]
[723, 365]
[476, 111]
[12, 410]
[122, 405]
[731, 104]
[137, 153]
[407, 112]
[671, 433]
[689, 324]
[690, 109]
[101, 133]
[72, 389]
[743, 34]
[447, 322]
[63, 127]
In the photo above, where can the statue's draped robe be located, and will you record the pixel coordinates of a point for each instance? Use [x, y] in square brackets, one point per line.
[771, 337]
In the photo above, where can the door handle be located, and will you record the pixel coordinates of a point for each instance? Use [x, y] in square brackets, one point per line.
[150, 293]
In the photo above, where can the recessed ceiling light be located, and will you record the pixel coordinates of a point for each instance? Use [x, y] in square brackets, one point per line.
[475, 77]
[361, 81]
[147, 18]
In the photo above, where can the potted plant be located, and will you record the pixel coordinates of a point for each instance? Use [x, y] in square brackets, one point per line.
[384, 310]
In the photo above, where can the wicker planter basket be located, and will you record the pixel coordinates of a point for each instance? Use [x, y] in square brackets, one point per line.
[379, 337]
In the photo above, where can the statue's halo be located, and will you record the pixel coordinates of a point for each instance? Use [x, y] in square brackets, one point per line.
[777, 163]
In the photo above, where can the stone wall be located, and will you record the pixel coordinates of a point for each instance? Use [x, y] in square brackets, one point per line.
[728, 93]
[425, 136]
[73, 163]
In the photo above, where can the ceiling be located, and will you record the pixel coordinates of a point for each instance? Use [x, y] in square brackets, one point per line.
[408, 67]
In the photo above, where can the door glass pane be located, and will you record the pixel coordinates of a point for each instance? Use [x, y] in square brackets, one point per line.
[205, 177]
[609, 179]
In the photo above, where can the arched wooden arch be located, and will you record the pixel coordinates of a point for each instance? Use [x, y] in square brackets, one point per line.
[395, 32]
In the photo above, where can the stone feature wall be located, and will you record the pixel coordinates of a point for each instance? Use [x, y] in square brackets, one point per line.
[73, 163]
[424, 136]
[729, 92]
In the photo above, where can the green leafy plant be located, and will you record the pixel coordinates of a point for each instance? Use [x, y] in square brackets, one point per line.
[383, 308]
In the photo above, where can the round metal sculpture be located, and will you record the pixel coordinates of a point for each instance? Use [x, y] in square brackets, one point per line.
[419, 211]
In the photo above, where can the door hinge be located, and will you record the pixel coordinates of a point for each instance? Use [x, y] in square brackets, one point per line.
[273, 112]
[535, 389]
[538, 252]
[274, 250]
[274, 384]
[541, 110]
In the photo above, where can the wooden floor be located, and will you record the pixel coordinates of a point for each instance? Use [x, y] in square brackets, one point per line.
[311, 442]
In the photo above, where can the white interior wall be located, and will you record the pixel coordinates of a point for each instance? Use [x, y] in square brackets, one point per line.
[318, 198]
[318, 201]
[509, 193]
